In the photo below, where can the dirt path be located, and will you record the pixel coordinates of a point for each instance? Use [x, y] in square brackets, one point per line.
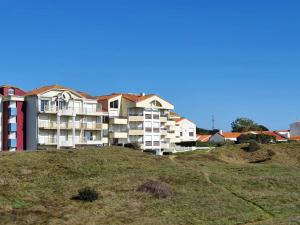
[254, 204]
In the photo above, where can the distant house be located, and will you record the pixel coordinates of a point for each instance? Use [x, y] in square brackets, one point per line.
[222, 137]
[278, 137]
[284, 133]
[203, 138]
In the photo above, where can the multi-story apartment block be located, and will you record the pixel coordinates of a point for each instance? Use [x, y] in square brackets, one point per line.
[12, 122]
[142, 119]
[63, 117]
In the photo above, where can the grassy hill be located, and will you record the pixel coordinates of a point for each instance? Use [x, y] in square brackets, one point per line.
[220, 187]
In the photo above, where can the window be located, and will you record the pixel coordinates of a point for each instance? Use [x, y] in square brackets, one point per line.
[155, 130]
[44, 105]
[156, 143]
[148, 116]
[148, 129]
[114, 104]
[88, 135]
[156, 103]
[191, 134]
[181, 134]
[148, 143]
[60, 104]
[11, 91]
[105, 119]
[155, 116]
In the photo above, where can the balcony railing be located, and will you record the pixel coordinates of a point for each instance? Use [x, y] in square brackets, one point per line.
[55, 109]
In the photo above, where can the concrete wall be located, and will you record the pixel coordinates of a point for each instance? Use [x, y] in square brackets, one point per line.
[217, 138]
[31, 123]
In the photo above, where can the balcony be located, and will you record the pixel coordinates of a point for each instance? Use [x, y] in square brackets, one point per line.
[12, 143]
[170, 123]
[88, 111]
[118, 120]
[47, 125]
[12, 112]
[94, 126]
[136, 132]
[47, 141]
[119, 135]
[163, 119]
[12, 127]
[163, 132]
[135, 118]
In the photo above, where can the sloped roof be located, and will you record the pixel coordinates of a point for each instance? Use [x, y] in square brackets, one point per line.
[131, 97]
[295, 138]
[230, 134]
[203, 138]
[44, 89]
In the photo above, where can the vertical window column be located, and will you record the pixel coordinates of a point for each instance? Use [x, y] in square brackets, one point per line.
[12, 125]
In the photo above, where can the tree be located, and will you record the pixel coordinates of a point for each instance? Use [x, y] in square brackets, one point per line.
[206, 132]
[245, 125]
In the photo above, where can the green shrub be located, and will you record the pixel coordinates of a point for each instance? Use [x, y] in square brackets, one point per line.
[260, 138]
[134, 146]
[87, 194]
[202, 144]
[253, 146]
[156, 188]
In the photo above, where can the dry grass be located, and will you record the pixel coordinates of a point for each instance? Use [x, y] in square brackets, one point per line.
[209, 188]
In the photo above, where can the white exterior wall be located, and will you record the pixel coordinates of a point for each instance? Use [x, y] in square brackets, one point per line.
[31, 121]
[184, 129]
[295, 129]
[1, 110]
[217, 138]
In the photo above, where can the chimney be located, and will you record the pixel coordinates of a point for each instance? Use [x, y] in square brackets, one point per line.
[221, 132]
[143, 94]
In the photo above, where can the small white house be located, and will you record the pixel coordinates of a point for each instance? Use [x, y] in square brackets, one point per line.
[185, 130]
[222, 137]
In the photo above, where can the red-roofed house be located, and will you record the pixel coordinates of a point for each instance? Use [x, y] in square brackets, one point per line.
[222, 137]
[203, 138]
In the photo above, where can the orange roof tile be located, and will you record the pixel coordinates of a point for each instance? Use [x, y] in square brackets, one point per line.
[203, 138]
[295, 138]
[230, 134]
[130, 97]
[271, 133]
[44, 89]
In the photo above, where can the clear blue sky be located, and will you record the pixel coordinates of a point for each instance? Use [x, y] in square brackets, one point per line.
[233, 58]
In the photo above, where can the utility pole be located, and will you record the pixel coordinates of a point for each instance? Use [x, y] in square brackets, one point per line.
[213, 122]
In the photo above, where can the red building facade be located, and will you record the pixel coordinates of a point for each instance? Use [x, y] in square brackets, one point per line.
[13, 118]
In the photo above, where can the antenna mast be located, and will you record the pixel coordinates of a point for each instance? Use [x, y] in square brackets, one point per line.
[213, 121]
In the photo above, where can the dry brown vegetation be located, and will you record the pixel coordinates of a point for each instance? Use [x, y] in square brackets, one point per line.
[220, 187]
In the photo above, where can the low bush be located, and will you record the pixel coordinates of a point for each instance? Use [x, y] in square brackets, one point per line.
[86, 194]
[260, 138]
[156, 188]
[253, 146]
[134, 146]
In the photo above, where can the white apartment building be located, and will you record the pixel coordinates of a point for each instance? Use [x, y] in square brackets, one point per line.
[142, 119]
[62, 117]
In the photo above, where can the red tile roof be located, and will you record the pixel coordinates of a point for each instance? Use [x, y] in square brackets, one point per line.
[295, 138]
[272, 133]
[44, 89]
[230, 134]
[203, 138]
[130, 97]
